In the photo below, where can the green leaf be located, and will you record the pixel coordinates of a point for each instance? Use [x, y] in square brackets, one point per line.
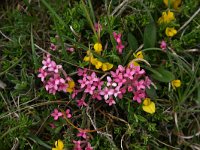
[132, 41]
[39, 141]
[151, 92]
[150, 35]
[163, 75]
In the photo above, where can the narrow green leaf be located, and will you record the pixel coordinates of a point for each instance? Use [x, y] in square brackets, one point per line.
[150, 35]
[38, 141]
[35, 62]
[132, 41]
[151, 92]
[163, 75]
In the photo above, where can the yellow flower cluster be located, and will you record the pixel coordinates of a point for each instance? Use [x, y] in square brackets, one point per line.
[105, 66]
[174, 3]
[166, 17]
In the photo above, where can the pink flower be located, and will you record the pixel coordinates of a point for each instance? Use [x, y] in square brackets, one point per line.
[107, 92]
[163, 45]
[110, 101]
[88, 147]
[129, 73]
[53, 47]
[77, 145]
[47, 62]
[138, 95]
[139, 85]
[110, 82]
[117, 37]
[52, 125]
[70, 49]
[81, 103]
[54, 67]
[56, 114]
[42, 74]
[90, 89]
[82, 72]
[83, 82]
[147, 82]
[92, 78]
[97, 96]
[68, 113]
[120, 48]
[82, 134]
[97, 27]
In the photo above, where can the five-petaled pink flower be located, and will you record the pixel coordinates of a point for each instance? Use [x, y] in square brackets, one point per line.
[53, 47]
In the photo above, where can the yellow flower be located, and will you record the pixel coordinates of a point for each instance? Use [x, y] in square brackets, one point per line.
[58, 145]
[98, 47]
[148, 106]
[139, 55]
[176, 84]
[173, 3]
[170, 32]
[166, 17]
[71, 85]
[96, 63]
[107, 66]
[133, 62]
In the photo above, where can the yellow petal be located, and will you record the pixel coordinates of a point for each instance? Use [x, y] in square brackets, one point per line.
[149, 108]
[146, 101]
[133, 62]
[139, 55]
[71, 84]
[176, 4]
[60, 145]
[86, 58]
[170, 32]
[98, 64]
[107, 66]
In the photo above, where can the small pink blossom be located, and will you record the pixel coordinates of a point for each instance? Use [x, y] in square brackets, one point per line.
[82, 134]
[110, 101]
[54, 67]
[53, 47]
[42, 74]
[56, 114]
[81, 103]
[117, 37]
[68, 114]
[77, 145]
[52, 125]
[90, 89]
[120, 48]
[97, 27]
[163, 45]
[89, 147]
[70, 49]
[138, 95]
[107, 92]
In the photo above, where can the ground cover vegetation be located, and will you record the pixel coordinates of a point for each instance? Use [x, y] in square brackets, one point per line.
[84, 75]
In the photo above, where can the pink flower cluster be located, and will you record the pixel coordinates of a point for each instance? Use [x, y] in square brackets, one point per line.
[123, 80]
[119, 46]
[50, 76]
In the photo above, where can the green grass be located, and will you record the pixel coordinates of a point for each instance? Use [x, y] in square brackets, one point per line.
[28, 27]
